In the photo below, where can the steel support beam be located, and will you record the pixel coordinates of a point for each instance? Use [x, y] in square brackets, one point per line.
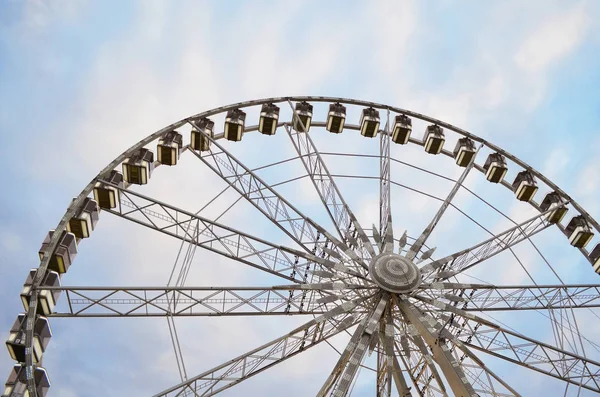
[197, 230]
[418, 244]
[384, 176]
[268, 355]
[484, 381]
[202, 301]
[427, 329]
[388, 367]
[348, 227]
[303, 230]
[460, 261]
[490, 338]
[481, 297]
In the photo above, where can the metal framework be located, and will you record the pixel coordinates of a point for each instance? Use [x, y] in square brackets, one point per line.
[425, 325]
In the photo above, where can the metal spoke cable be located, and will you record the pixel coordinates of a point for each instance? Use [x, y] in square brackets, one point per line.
[415, 248]
[190, 225]
[391, 159]
[186, 265]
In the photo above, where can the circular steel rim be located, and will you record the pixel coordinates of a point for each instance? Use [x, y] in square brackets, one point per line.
[53, 243]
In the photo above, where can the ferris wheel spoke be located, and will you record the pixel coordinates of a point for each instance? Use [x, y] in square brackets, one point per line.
[341, 378]
[460, 261]
[273, 258]
[303, 230]
[383, 386]
[340, 213]
[384, 181]
[482, 297]
[419, 368]
[235, 371]
[422, 239]
[334, 377]
[428, 328]
[418, 361]
[203, 301]
[388, 367]
[488, 337]
[484, 381]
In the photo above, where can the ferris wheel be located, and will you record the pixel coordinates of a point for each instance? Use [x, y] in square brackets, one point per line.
[397, 298]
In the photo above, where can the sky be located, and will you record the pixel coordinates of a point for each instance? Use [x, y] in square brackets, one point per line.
[81, 81]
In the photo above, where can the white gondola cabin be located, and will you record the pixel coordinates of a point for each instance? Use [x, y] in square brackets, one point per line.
[524, 186]
[16, 385]
[336, 118]
[169, 148]
[269, 116]
[595, 258]
[235, 122]
[85, 219]
[16, 338]
[138, 168]
[553, 199]
[46, 298]
[303, 113]
[369, 122]
[106, 196]
[402, 129]
[495, 167]
[65, 252]
[579, 232]
[198, 140]
[464, 151]
[434, 139]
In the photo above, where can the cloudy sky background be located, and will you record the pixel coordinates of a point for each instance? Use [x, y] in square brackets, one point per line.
[80, 81]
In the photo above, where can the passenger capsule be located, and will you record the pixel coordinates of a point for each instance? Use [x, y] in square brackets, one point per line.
[107, 197]
[16, 338]
[495, 167]
[524, 186]
[369, 122]
[65, 252]
[579, 232]
[402, 129]
[138, 168]
[434, 139]
[464, 151]
[302, 116]
[554, 199]
[85, 219]
[234, 125]
[169, 148]
[269, 116]
[595, 258]
[16, 385]
[198, 140]
[336, 119]
[46, 298]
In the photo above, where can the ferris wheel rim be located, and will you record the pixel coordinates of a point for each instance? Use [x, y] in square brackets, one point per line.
[70, 212]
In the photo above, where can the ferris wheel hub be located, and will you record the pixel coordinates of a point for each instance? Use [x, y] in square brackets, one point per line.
[395, 273]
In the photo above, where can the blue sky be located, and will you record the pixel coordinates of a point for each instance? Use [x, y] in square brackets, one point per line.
[80, 81]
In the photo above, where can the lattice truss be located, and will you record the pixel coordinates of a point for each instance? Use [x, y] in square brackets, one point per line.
[429, 330]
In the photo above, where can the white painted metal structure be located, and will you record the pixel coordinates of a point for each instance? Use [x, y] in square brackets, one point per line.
[409, 308]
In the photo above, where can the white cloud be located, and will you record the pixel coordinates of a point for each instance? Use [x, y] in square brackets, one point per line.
[553, 39]
[393, 23]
